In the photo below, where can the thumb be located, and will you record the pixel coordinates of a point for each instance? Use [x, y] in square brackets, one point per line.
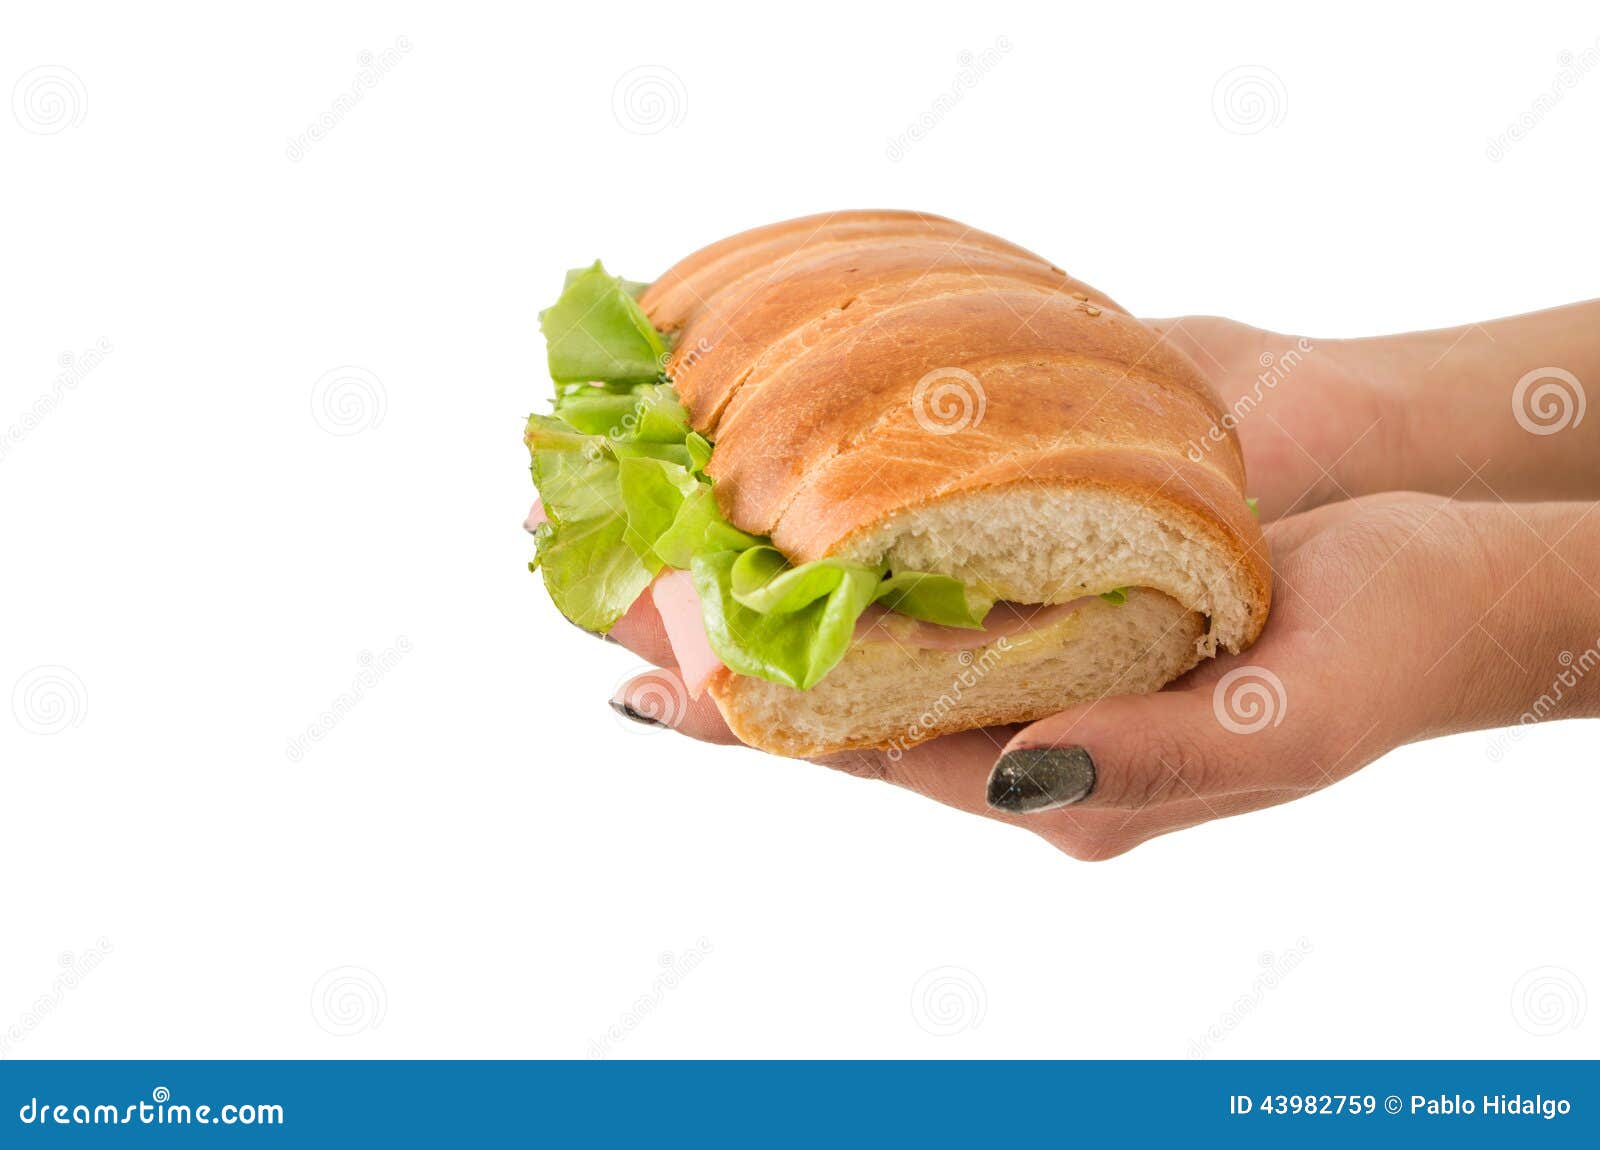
[1133, 751]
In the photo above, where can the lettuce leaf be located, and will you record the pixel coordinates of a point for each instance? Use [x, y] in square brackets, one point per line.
[598, 331]
[652, 492]
[795, 648]
[649, 413]
[699, 526]
[575, 474]
[762, 580]
[699, 448]
[934, 598]
[592, 572]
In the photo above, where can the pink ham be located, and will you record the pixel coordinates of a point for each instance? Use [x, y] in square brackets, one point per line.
[535, 517]
[679, 607]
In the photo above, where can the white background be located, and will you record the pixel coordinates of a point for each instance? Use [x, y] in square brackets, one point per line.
[500, 864]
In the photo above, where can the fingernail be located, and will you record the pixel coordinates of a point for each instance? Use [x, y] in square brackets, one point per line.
[621, 707]
[1040, 779]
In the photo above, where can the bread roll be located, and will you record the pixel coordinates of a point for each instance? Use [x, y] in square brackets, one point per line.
[893, 386]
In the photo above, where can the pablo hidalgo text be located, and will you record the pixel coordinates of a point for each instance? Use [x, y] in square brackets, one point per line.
[1493, 1105]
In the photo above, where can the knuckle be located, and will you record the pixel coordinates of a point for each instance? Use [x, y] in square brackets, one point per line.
[1164, 766]
[1324, 749]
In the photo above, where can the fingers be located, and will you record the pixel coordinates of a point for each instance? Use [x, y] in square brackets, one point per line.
[658, 698]
[1096, 835]
[1137, 752]
[641, 631]
[949, 770]
[1143, 786]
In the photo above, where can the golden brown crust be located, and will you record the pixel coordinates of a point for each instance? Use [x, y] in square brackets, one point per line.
[683, 289]
[1048, 383]
[813, 352]
[754, 325]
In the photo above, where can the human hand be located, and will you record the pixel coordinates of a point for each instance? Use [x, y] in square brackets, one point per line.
[1309, 415]
[1394, 618]
[1488, 411]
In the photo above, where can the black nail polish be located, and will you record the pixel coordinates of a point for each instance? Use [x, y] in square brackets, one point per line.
[1040, 779]
[627, 712]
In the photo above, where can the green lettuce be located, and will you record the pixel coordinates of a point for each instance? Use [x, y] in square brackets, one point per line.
[622, 478]
[593, 572]
[699, 527]
[935, 598]
[652, 493]
[795, 647]
[598, 331]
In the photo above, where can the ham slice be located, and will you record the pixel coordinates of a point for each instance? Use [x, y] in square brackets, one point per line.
[679, 607]
[535, 517]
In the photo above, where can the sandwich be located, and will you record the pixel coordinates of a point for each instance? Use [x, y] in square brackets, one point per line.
[886, 477]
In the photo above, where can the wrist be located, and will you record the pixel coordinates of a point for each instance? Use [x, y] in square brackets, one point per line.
[1378, 389]
[1486, 411]
[1516, 618]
